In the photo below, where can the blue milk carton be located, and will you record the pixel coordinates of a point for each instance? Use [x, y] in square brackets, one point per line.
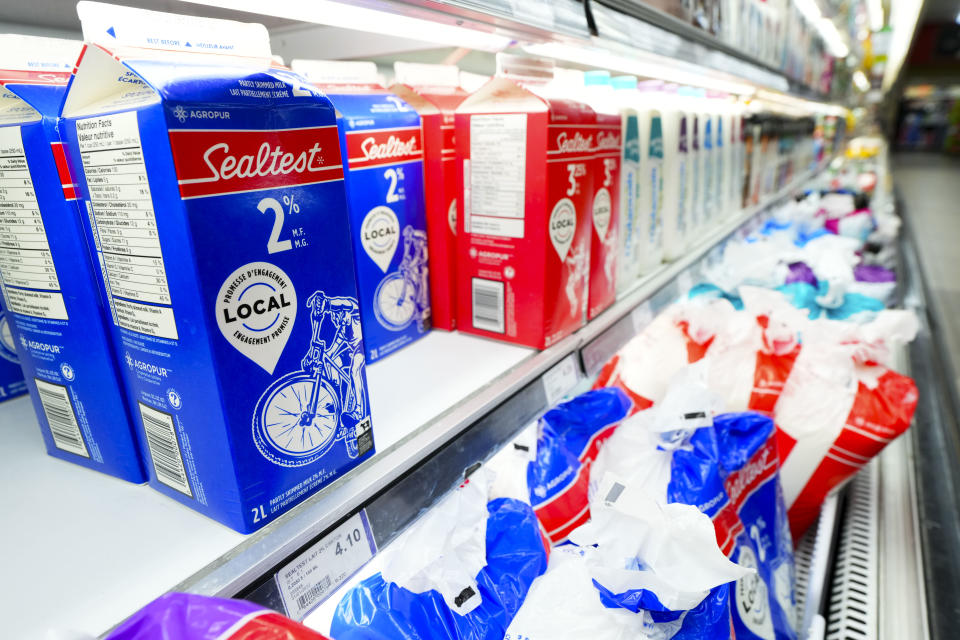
[382, 147]
[216, 210]
[11, 376]
[54, 311]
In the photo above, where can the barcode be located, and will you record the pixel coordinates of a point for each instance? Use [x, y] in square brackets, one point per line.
[488, 305]
[315, 592]
[61, 418]
[164, 448]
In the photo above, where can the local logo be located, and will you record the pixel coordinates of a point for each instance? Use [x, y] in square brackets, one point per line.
[452, 216]
[563, 225]
[753, 605]
[601, 212]
[7, 344]
[380, 235]
[256, 310]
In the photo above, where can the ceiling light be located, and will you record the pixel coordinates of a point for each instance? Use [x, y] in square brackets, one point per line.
[831, 36]
[347, 16]
[875, 14]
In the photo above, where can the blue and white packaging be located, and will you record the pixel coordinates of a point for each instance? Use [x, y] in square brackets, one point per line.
[11, 376]
[382, 145]
[213, 190]
[459, 573]
[55, 315]
[764, 606]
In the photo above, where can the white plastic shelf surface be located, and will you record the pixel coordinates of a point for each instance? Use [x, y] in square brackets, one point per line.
[80, 551]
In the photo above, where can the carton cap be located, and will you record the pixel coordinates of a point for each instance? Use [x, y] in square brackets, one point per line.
[337, 71]
[431, 75]
[143, 34]
[596, 78]
[624, 82]
[514, 66]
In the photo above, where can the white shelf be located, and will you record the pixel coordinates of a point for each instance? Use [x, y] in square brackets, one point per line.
[82, 550]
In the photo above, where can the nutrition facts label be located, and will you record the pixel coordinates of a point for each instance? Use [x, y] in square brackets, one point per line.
[497, 174]
[26, 266]
[126, 227]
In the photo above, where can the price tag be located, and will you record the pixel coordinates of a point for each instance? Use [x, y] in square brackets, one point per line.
[311, 577]
[642, 315]
[561, 379]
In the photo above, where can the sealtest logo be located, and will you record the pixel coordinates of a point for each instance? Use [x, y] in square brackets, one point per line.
[608, 140]
[366, 148]
[211, 162]
[578, 143]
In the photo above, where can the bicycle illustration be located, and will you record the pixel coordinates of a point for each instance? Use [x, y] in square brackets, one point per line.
[8, 348]
[403, 294]
[301, 415]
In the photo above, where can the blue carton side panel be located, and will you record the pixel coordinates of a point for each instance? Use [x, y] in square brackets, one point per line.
[12, 384]
[54, 315]
[382, 149]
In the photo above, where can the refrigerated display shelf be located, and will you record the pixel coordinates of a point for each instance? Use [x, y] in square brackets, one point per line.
[90, 549]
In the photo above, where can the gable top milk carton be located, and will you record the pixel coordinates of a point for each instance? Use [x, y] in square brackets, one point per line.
[434, 91]
[54, 312]
[12, 383]
[383, 154]
[526, 168]
[608, 145]
[213, 190]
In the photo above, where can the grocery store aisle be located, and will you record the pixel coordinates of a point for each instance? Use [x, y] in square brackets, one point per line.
[929, 184]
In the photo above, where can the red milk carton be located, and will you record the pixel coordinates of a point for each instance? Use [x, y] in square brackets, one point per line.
[605, 214]
[433, 91]
[526, 163]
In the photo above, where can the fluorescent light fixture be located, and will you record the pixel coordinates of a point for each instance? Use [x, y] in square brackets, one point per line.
[861, 81]
[831, 36]
[638, 63]
[875, 14]
[904, 15]
[348, 16]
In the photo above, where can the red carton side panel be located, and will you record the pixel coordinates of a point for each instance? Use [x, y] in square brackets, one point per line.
[571, 158]
[501, 250]
[605, 214]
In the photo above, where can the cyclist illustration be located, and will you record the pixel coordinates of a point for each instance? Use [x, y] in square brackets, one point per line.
[301, 415]
[577, 270]
[404, 294]
[8, 349]
[609, 260]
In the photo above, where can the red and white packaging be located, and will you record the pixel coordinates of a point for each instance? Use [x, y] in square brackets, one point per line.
[837, 411]
[525, 174]
[433, 91]
[606, 214]
[681, 335]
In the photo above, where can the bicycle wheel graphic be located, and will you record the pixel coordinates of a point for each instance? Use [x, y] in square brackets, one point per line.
[8, 349]
[284, 429]
[393, 311]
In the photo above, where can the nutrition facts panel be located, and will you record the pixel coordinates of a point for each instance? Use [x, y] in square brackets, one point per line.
[29, 277]
[497, 174]
[126, 227]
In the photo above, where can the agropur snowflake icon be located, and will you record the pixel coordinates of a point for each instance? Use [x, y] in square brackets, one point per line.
[180, 113]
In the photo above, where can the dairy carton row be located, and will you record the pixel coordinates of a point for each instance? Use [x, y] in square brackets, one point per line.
[201, 250]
